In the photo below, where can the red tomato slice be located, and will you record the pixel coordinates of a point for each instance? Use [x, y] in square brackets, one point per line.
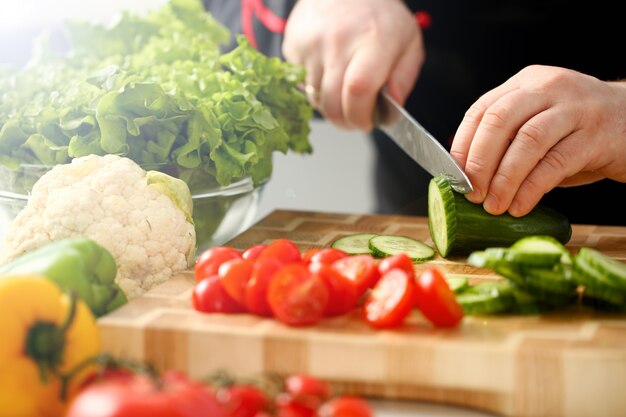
[342, 294]
[253, 251]
[391, 300]
[328, 255]
[282, 249]
[297, 296]
[360, 269]
[400, 260]
[436, 300]
[257, 287]
[235, 274]
[210, 260]
[209, 296]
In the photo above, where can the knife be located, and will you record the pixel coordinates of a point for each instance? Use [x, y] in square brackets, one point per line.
[418, 143]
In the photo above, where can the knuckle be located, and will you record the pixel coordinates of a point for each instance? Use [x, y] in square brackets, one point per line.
[531, 133]
[496, 116]
[555, 160]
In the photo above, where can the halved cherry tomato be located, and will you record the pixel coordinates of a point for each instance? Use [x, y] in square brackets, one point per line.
[253, 252]
[209, 296]
[391, 300]
[210, 260]
[360, 269]
[345, 406]
[400, 260]
[257, 287]
[282, 249]
[342, 293]
[297, 296]
[235, 274]
[436, 300]
[328, 255]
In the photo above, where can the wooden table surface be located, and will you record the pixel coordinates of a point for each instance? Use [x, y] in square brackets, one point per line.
[566, 363]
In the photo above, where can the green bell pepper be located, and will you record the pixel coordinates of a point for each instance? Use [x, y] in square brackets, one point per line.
[79, 264]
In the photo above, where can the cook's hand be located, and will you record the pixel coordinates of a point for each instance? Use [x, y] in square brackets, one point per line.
[544, 127]
[351, 49]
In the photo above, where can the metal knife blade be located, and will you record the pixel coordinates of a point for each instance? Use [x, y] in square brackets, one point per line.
[418, 143]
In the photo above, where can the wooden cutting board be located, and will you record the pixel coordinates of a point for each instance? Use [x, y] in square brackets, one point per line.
[570, 363]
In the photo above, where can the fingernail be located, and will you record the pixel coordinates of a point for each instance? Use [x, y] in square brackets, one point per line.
[491, 204]
[474, 197]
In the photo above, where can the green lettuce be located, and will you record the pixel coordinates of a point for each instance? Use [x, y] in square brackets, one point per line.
[158, 89]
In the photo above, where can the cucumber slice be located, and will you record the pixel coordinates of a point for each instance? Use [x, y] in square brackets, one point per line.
[487, 258]
[544, 251]
[612, 269]
[457, 284]
[356, 244]
[387, 245]
[553, 285]
[488, 297]
[596, 285]
[458, 227]
[526, 303]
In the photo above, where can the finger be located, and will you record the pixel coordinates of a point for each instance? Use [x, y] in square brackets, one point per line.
[404, 74]
[498, 126]
[562, 161]
[314, 82]
[471, 120]
[366, 74]
[531, 143]
[331, 88]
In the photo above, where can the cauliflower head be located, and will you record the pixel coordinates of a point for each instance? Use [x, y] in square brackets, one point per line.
[142, 217]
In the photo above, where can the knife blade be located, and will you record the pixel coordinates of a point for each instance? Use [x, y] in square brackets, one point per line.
[418, 143]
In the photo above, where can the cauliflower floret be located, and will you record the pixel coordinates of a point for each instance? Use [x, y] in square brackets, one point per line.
[142, 218]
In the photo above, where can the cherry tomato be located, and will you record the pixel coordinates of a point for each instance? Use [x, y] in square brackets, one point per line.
[345, 406]
[138, 395]
[241, 401]
[210, 260]
[297, 296]
[342, 295]
[308, 254]
[257, 287]
[328, 255]
[253, 252]
[282, 249]
[235, 274]
[209, 296]
[307, 390]
[400, 260]
[391, 300]
[360, 269]
[436, 300]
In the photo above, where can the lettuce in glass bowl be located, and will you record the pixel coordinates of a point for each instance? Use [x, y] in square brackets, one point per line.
[158, 89]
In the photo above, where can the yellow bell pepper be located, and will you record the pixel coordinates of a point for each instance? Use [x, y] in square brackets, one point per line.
[45, 337]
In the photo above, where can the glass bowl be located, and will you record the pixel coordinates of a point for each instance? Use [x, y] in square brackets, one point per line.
[219, 213]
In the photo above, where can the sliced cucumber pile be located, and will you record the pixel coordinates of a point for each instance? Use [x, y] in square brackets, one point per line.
[459, 227]
[382, 246]
[542, 274]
